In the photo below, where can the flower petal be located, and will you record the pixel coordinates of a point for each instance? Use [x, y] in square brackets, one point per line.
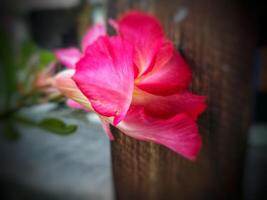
[179, 133]
[64, 83]
[76, 105]
[68, 56]
[105, 75]
[106, 128]
[166, 77]
[92, 34]
[168, 106]
[145, 33]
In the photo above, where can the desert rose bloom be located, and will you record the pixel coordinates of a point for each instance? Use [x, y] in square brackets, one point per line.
[138, 82]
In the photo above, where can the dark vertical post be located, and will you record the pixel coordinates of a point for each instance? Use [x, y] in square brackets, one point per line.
[217, 38]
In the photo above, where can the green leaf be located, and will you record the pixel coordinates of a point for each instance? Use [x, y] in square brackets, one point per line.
[45, 58]
[52, 125]
[28, 49]
[57, 126]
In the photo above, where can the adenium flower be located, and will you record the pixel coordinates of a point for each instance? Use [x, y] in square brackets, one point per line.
[138, 82]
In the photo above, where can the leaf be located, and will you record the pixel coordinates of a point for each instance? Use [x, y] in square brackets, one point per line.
[57, 126]
[52, 125]
[45, 58]
[28, 49]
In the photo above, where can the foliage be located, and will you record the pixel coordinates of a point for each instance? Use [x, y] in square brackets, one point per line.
[24, 74]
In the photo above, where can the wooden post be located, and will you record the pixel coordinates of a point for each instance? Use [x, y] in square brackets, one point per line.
[217, 38]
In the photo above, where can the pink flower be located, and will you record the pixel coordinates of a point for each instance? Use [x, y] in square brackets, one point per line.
[138, 82]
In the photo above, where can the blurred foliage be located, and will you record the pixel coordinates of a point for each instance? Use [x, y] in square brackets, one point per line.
[27, 50]
[45, 57]
[25, 76]
[57, 126]
[7, 74]
[52, 125]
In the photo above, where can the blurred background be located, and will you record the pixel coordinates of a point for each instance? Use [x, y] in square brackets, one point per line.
[35, 164]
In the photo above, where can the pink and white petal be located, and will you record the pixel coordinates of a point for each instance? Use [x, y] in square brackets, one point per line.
[106, 128]
[166, 78]
[68, 56]
[76, 105]
[145, 33]
[179, 133]
[105, 75]
[164, 107]
[64, 83]
[92, 34]
[73, 104]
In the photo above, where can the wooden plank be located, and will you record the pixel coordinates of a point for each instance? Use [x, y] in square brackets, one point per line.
[218, 40]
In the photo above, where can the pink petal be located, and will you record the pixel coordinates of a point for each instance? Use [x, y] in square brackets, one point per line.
[92, 34]
[106, 128]
[44, 78]
[73, 104]
[145, 33]
[105, 75]
[166, 77]
[68, 56]
[168, 106]
[76, 105]
[179, 133]
[64, 83]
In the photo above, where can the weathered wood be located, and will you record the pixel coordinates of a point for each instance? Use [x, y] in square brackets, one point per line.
[217, 38]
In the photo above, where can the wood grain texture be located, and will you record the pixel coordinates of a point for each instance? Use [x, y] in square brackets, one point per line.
[217, 38]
